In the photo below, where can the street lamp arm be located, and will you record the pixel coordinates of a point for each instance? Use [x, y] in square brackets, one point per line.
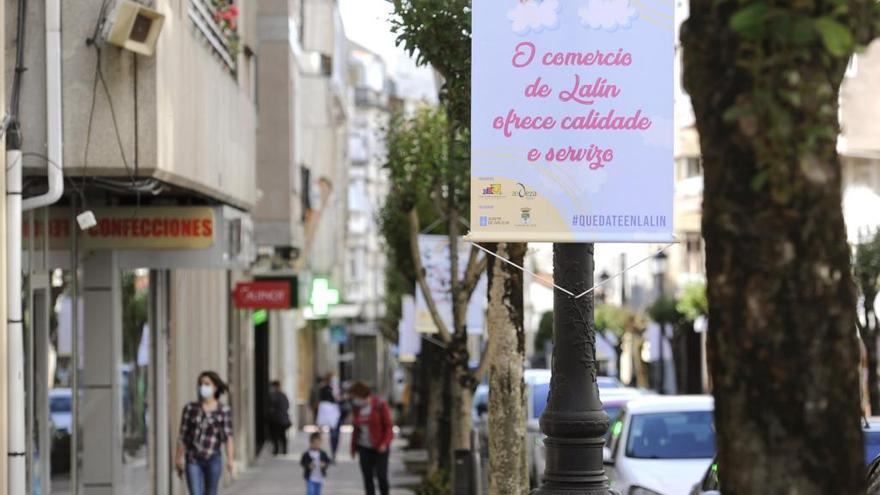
[421, 279]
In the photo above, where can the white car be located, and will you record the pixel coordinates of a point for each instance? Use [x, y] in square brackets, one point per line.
[660, 445]
[613, 395]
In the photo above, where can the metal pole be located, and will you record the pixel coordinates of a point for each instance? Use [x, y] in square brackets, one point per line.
[574, 420]
[74, 358]
[661, 381]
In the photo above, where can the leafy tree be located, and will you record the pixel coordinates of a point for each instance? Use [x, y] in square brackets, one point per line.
[615, 322]
[764, 77]
[867, 272]
[693, 303]
[545, 330]
[438, 32]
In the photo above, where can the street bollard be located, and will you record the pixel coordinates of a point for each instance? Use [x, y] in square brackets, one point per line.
[463, 470]
[476, 463]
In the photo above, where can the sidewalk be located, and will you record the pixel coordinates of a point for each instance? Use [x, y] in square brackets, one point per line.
[282, 475]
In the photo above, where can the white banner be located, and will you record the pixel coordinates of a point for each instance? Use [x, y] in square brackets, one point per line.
[572, 120]
[409, 341]
[434, 251]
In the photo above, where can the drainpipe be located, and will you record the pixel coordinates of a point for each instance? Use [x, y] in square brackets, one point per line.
[55, 167]
[15, 343]
[14, 208]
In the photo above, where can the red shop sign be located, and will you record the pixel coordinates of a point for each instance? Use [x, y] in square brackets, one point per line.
[262, 295]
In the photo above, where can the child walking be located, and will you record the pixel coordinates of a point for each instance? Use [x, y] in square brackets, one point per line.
[314, 462]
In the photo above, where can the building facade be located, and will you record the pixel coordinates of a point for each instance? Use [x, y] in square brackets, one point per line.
[123, 316]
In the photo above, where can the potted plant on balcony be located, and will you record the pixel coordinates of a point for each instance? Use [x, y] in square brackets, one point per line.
[226, 17]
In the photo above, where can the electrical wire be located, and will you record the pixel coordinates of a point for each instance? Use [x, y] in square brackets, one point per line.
[100, 79]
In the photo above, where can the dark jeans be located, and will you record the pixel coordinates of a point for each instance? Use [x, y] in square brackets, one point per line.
[334, 442]
[278, 432]
[374, 465]
[203, 475]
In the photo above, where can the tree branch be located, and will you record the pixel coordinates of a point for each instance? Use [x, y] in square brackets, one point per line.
[421, 277]
[475, 268]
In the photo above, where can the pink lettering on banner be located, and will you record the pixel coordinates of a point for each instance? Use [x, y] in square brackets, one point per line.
[525, 53]
[585, 94]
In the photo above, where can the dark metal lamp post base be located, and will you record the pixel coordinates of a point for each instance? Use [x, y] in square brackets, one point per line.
[574, 420]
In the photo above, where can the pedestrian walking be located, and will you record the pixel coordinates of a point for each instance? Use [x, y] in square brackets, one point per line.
[372, 436]
[329, 412]
[314, 462]
[205, 429]
[279, 419]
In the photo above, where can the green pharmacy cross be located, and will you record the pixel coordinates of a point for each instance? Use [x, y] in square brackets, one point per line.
[322, 297]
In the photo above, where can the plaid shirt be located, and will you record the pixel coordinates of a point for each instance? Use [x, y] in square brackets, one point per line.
[202, 434]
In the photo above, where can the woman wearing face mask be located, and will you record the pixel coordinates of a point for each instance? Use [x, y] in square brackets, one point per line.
[372, 436]
[205, 428]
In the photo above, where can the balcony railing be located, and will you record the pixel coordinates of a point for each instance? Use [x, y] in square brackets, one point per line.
[216, 26]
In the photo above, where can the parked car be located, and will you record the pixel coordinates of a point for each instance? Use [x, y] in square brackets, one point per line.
[535, 402]
[660, 445]
[60, 402]
[60, 418]
[710, 484]
[613, 399]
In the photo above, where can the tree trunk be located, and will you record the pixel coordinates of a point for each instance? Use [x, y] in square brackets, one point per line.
[435, 407]
[507, 416]
[869, 337]
[462, 391]
[784, 360]
[640, 369]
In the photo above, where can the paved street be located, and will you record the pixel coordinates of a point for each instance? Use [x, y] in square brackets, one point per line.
[283, 475]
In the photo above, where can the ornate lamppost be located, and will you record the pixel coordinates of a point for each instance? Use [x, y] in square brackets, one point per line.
[574, 421]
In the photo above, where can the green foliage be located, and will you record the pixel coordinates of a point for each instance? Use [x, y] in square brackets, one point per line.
[693, 302]
[134, 315]
[867, 268]
[424, 163]
[545, 330]
[665, 310]
[436, 483]
[614, 319]
[777, 41]
[438, 32]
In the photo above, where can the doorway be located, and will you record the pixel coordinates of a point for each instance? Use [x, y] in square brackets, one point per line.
[261, 376]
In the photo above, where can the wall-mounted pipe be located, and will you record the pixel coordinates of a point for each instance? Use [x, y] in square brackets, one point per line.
[55, 167]
[15, 330]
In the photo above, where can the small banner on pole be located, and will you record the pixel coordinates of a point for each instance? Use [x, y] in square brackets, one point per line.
[572, 121]
[435, 255]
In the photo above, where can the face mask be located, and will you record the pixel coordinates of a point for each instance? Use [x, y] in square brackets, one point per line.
[206, 391]
[359, 402]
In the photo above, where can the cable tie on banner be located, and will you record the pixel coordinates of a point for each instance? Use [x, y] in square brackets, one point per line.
[563, 289]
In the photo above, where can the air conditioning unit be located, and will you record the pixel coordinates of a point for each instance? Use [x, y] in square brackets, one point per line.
[134, 27]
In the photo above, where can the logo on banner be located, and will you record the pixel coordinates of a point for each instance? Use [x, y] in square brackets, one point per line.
[526, 217]
[523, 192]
[492, 190]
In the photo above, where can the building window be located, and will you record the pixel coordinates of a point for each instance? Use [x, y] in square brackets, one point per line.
[693, 261]
[693, 167]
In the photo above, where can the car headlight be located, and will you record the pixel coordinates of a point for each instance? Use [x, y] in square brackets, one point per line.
[637, 490]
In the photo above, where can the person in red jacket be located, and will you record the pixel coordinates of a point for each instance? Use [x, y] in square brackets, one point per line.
[372, 436]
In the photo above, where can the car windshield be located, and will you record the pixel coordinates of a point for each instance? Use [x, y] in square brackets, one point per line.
[673, 435]
[59, 404]
[539, 399]
[872, 446]
[607, 382]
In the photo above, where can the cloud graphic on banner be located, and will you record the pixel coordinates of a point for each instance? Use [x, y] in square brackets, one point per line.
[608, 14]
[534, 16]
